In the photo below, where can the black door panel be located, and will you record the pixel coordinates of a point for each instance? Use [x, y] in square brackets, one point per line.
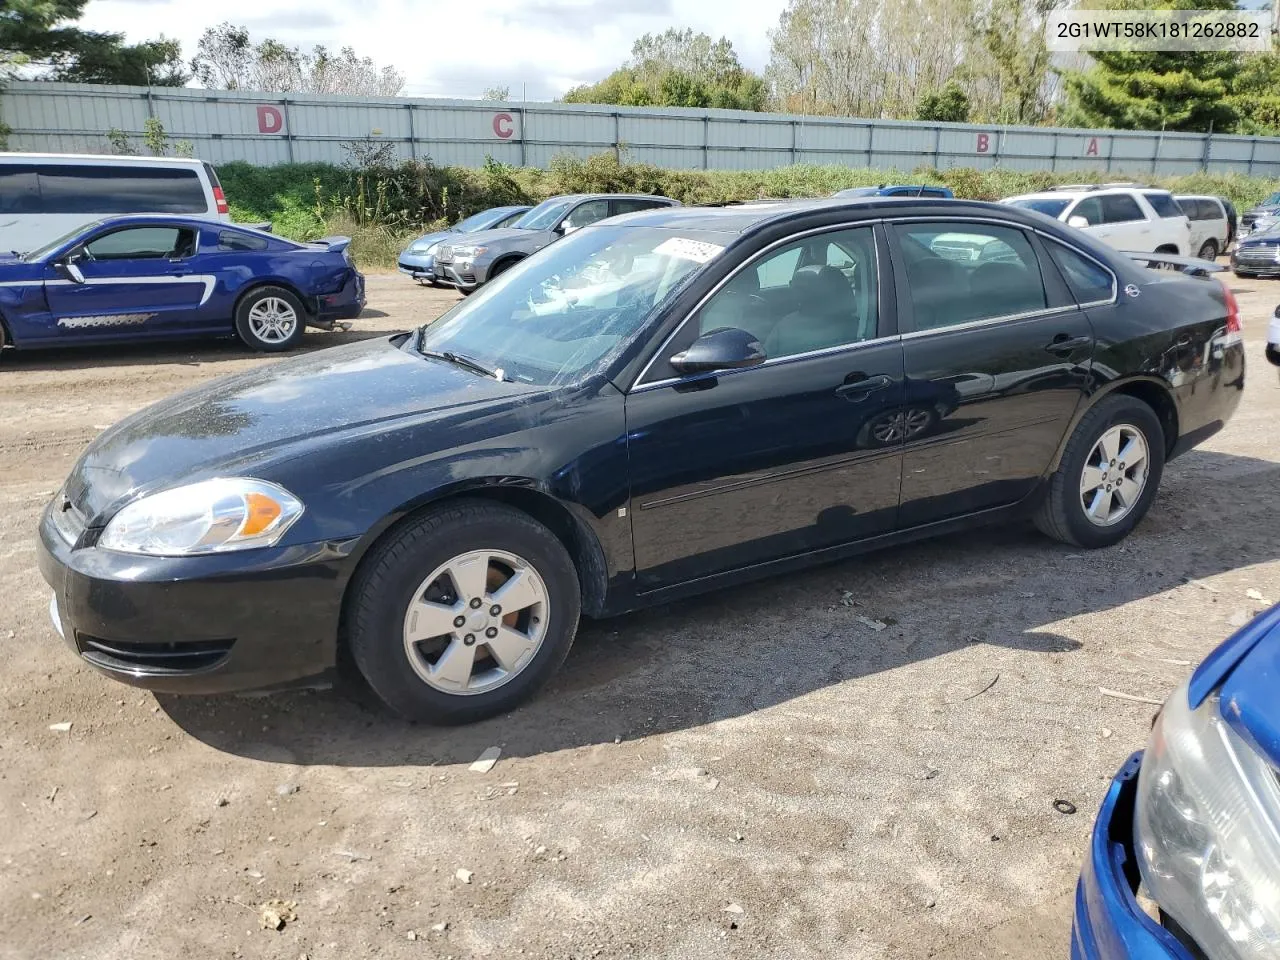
[763, 463]
[996, 343]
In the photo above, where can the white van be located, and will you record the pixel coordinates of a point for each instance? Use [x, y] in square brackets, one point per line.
[46, 195]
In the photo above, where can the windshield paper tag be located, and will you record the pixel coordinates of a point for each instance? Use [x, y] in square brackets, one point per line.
[695, 250]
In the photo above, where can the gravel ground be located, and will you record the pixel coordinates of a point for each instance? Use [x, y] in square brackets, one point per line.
[752, 774]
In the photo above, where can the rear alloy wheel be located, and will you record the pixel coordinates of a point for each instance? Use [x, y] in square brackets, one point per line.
[1108, 476]
[487, 624]
[1208, 250]
[270, 319]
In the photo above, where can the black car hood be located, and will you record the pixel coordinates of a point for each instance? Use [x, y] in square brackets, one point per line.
[273, 413]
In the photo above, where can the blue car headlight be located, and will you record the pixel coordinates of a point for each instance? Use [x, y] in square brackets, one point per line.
[1207, 831]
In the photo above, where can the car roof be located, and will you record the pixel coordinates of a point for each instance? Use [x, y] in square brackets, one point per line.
[739, 218]
[609, 196]
[92, 158]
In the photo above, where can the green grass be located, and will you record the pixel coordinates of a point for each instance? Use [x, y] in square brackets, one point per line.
[383, 209]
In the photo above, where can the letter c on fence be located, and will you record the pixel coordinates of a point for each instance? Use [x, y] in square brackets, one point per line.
[984, 142]
[269, 120]
[502, 125]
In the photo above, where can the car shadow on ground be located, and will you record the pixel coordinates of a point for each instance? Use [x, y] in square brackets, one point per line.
[749, 648]
[181, 352]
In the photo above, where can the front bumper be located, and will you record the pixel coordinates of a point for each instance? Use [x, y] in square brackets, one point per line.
[260, 618]
[1262, 267]
[417, 265]
[463, 274]
[1109, 924]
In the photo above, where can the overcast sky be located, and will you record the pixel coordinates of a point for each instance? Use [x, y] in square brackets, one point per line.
[457, 49]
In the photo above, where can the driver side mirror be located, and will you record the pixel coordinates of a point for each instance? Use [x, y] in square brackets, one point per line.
[727, 348]
[69, 266]
[1078, 222]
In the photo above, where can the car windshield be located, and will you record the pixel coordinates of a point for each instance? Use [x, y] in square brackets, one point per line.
[41, 252]
[557, 317]
[1049, 206]
[1271, 201]
[481, 221]
[544, 215]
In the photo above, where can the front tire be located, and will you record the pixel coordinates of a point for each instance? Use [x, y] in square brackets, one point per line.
[463, 613]
[1108, 476]
[270, 319]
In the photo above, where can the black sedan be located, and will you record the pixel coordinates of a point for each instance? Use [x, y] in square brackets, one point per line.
[654, 406]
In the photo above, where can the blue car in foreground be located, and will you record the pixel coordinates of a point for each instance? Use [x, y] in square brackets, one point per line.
[419, 258]
[1195, 820]
[161, 277]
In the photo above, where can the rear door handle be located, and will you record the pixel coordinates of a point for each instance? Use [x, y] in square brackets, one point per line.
[861, 389]
[1064, 344]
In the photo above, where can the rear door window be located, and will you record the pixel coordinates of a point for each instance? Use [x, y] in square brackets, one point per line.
[115, 188]
[634, 204]
[1091, 209]
[1162, 204]
[949, 281]
[1122, 208]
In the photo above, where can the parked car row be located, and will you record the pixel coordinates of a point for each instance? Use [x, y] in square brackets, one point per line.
[1129, 217]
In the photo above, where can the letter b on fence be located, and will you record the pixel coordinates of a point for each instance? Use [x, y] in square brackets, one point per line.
[984, 143]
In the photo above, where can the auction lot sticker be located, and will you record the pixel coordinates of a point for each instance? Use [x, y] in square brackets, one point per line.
[1159, 30]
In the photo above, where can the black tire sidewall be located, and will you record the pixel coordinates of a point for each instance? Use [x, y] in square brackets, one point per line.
[381, 599]
[1108, 413]
[245, 332]
[1212, 246]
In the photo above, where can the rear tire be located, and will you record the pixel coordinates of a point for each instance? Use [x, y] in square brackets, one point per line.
[1119, 490]
[481, 662]
[1208, 250]
[270, 319]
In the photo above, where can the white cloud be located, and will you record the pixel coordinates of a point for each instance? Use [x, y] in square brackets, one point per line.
[456, 50]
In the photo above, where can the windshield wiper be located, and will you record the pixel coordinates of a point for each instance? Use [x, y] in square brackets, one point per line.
[462, 360]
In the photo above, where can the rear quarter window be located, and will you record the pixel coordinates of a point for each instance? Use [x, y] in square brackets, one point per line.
[1089, 282]
[19, 189]
[234, 241]
[112, 189]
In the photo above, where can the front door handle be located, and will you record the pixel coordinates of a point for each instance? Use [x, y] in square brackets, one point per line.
[1065, 344]
[861, 389]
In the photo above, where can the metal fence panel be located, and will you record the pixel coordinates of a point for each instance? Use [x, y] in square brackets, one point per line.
[265, 129]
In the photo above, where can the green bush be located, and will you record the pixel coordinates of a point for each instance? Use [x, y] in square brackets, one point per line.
[383, 208]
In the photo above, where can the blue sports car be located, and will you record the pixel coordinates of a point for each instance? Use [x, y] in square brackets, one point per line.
[1196, 821]
[419, 258]
[159, 277]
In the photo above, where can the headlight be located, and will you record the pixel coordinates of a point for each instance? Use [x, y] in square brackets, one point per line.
[466, 253]
[1207, 828]
[213, 516]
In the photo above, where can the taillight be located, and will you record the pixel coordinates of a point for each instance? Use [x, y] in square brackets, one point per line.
[1233, 310]
[220, 200]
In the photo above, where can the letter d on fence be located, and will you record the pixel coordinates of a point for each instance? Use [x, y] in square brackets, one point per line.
[270, 120]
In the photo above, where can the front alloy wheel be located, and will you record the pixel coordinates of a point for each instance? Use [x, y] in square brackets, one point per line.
[488, 624]
[475, 622]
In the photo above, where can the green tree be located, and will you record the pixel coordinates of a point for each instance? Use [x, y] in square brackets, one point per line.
[948, 105]
[1156, 90]
[41, 36]
[678, 68]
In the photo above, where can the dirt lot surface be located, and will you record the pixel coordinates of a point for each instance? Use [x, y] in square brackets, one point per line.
[753, 774]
